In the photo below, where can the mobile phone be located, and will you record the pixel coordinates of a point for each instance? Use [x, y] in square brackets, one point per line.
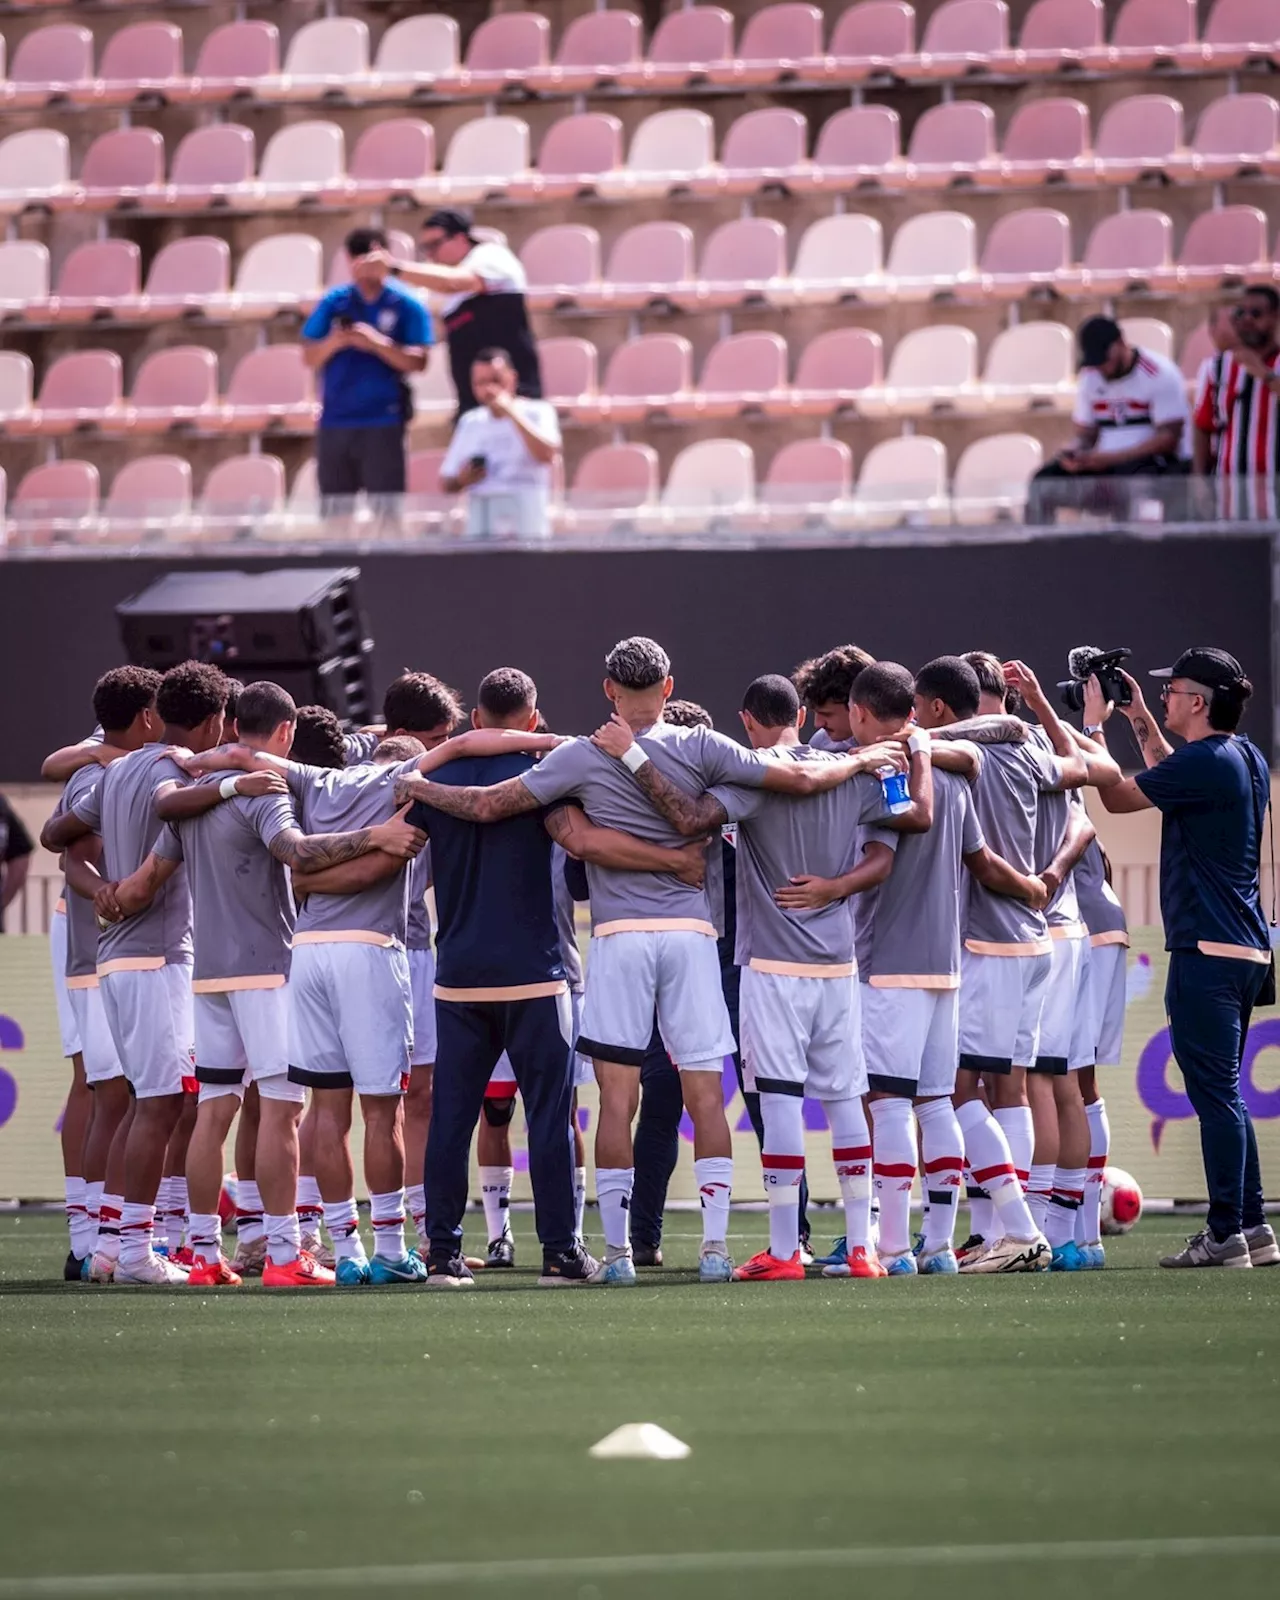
[344, 323]
[477, 463]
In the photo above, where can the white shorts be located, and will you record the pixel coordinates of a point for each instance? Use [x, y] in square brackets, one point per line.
[802, 1035]
[1066, 1032]
[912, 1039]
[242, 1037]
[97, 1047]
[422, 978]
[1001, 999]
[150, 1017]
[502, 1081]
[67, 1029]
[1105, 983]
[676, 974]
[350, 1017]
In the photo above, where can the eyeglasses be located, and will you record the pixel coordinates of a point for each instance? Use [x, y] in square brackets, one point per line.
[1167, 691]
[428, 247]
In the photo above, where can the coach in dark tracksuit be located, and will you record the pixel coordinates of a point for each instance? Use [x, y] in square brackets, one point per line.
[1212, 793]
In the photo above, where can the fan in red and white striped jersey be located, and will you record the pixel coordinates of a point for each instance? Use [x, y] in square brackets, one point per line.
[1244, 404]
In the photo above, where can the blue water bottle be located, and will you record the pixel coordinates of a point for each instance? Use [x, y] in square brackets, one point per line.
[894, 788]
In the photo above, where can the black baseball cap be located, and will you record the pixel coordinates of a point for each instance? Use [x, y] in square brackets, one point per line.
[1096, 336]
[450, 220]
[1213, 668]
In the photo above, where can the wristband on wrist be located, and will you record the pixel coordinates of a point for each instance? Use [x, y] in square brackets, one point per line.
[919, 743]
[227, 787]
[1091, 730]
[633, 758]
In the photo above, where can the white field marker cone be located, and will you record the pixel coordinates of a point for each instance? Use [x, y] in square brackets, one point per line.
[640, 1441]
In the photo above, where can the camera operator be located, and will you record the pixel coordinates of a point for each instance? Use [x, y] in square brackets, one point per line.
[502, 453]
[1212, 794]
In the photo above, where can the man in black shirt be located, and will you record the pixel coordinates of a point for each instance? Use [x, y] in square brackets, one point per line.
[15, 856]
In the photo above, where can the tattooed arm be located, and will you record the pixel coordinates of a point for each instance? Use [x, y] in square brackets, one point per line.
[609, 847]
[314, 852]
[476, 804]
[136, 892]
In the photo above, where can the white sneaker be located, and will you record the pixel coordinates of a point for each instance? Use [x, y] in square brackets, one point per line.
[151, 1269]
[1263, 1249]
[1013, 1255]
[102, 1269]
[250, 1259]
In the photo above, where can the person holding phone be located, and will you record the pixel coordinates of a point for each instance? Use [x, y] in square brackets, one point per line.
[502, 454]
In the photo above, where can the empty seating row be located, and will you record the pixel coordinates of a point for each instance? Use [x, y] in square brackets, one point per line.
[692, 45]
[1047, 141]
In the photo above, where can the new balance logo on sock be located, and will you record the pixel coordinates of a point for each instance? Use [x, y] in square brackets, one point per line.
[710, 1192]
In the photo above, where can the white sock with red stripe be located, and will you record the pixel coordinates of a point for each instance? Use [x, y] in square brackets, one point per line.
[782, 1166]
[206, 1236]
[93, 1211]
[495, 1197]
[851, 1150]
[942, 1151]
[78, 1226]
[714, 1177]
[1040, 1191]
[179, 1212]
[109, 1213]
[1020, 1135]
[982, 1214]
[386, 1215]
[613, 1195]
[284, 1238]
[1089, 1216]
[993, 1169]
[343, 1222]
[249, 1229]
[893, 1171]
[415, 1197]
[137, 1224]
[1060, 1217]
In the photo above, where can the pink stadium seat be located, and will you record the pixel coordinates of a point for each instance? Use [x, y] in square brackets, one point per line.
[741, 374]
[1221, 246]
[1126, 251]
[776, 44]
[961, 36]
[1149, 333]
[283, 272]
[685, 46]
[82, 389]
[951, 143]
[391, 158]
[593, 50]
[1137, 136]
[49, 64]
[561, 262]
[58, 500]
[322, 59]
[24, 280]
[867, 38]
[189, 277]
[934, 368]
[741, 260]
[902, 481]
[933, 252]
[803, 480]
[645, 376]
[1025, 250]
[242, 489]
[16, 388]
[575, 151]
[148, 495]
[839, 259]
[94, 277]
[612, 483]
[714, 477]
[1047, 140]
[484, 158]
[763, 149]
[121, 169]
[832, 371]
[434, 398]
[303, 161]
[669, 150]
[645, 263]
[1235, 32]
[145, 59]
[500, 52]
[569, 375]
[34, 169]
[270, 388]
[414, 54]
[1144, 32]
[1238, 133]
[211, 167]
[1197, 347]
[1055, 34]
[859, 145]
[1031, 365]
[237, 58]
[990, 483]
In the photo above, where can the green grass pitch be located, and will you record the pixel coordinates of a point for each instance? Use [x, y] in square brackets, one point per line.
[1107, 1434]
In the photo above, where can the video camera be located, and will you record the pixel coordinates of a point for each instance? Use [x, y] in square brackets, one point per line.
[1087, 661]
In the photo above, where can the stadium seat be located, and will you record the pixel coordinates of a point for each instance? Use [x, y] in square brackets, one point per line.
[1055, 34]
[16, 388]
[121, 170]
[991, 478]
[212, 166]
[1239, 133]
[1149, 333]
[900, 481]
[593, 50]
[643, 265]
[763, 149]
[58, 500]
[1025, 250]
[741, 374]
[859, 145]
[561, 263]
[569, 376]
[187, 277]
[1137, 137]
[279, 273]
[868, 38]
[1031, 365]
[613, 483]
[271, 387]
[143, 59]
[323, 59]
[239, 58]
[1145, 32]
[34, 169]
[933, 252]
[806, 478]
[434, 398]
[1235, 33]
[24, 280]
[684, 47]
[304, 493]
[952, 143]
[1126, 250]
[839, 259]
[645, 376]
[1197, 346]
[776, 44]
[414, 54]
[80, 390]
[303, 161]
[710, 479]
[149, 498]
[48, 64]
[1047, 141]
[934, 368]
[242, 496]
[740, 261]
[484, 157]
[501, 50]
[1221, 246]
[960, 36]
[392, 158]
[93, 278]
[668, 151]
[574, 153]
[831, 373]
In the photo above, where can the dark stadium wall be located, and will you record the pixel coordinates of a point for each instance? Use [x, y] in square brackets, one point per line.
[725, 616]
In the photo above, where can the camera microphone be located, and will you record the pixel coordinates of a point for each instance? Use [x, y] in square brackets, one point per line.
[1080, 661]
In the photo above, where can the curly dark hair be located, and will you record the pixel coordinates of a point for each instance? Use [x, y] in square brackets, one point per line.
[119, 695]
[420, 703]
[190, 693]
[686, 714]
[637, 663]
[828, 678]
[317, 738]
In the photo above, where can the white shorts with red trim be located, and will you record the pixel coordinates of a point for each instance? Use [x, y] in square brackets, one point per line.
[150, 1016]
[97, 1047]
[1105, 989]
[422, 978]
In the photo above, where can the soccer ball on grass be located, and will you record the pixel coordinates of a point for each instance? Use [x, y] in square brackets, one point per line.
[1121, 1201]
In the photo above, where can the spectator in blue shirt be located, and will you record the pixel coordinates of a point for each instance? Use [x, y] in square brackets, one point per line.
[364, 338]
[1212, 793]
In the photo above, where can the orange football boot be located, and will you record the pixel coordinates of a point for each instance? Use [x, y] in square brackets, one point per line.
[766, 1268]
[304, 1273]
[212, 1275]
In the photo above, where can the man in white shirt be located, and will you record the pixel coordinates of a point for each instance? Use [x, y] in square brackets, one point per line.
[502, 452]
[1131, 415]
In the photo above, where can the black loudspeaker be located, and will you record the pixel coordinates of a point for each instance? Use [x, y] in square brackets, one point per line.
[302, 627]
